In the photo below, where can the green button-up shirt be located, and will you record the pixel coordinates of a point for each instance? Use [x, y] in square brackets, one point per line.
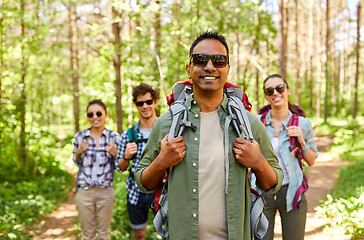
[183, 178]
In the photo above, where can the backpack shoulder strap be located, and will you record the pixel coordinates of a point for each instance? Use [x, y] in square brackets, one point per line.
[132, 134]
[237, 110]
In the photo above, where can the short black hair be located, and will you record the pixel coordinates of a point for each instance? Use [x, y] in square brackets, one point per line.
[210, 35]
[143, 89]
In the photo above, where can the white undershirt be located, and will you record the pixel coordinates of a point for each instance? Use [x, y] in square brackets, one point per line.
[275, 144]
[212, 224]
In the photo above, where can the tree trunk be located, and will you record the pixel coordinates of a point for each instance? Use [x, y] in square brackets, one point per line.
[282, 41]
[328, 57]
[318, 42]
[156, 46]
[117, 65]
[72, 37]
[355, 108]
[22, 147]
[312, 52]
[1, 71]
[298, 51]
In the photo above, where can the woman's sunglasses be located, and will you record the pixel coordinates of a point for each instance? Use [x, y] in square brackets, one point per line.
[201, 60]
[91, 114]
[141, 103]
[270, 91]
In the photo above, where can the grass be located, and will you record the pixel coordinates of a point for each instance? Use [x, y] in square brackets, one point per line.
[344, 206]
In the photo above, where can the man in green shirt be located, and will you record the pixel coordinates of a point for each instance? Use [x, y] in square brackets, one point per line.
[208, 198]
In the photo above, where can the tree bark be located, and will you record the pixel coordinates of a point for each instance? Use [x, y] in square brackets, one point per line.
[22, 147]
[117, 66]
[328, 57]
[72, 37]
[357, 60]
[282, 41]
[298, 51]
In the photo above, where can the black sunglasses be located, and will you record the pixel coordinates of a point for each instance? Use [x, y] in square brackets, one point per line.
[141, 103]
[91, 114]
[270, 91]
[201, 60]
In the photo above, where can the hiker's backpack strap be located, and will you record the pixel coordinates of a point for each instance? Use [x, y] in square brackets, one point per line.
[240, 119]
[180, 121]
[295, 148]
[133, 135]
[258, 221]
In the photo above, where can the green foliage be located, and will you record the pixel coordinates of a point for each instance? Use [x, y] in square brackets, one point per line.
[23, 202]
[345, 204]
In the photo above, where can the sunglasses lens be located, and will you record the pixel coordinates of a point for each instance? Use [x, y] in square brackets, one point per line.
[149, 102]
[139, 104]
[280, 88]
[219, 61]
[91, 114]
[200, 60]
[269, 91]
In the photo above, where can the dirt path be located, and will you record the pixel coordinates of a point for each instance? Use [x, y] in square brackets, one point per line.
[322, 176]
[321, 179]
[60, 224]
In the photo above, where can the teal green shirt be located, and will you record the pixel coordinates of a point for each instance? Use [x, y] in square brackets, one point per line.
[183, 178]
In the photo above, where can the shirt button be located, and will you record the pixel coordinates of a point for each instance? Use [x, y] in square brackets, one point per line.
[194, 190]
[194, 164]
[194, 215]
[196, 139]
[193, 102]
[196, 115]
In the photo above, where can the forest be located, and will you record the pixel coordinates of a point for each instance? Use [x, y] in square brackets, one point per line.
[57, 55]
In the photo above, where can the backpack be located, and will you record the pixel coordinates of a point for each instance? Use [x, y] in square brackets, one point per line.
[237, 105]
[133, 137]
[294, 147]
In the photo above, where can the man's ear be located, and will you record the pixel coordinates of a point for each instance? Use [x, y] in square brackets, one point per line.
[188, 70]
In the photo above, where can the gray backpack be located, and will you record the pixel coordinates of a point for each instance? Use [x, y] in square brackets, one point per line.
[237, 105]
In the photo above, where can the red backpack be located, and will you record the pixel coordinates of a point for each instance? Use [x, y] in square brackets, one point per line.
[295, 148]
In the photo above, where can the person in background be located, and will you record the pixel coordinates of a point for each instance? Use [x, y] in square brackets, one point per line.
[94, 152]
[277, 117]
[145, 99]
[203, 201]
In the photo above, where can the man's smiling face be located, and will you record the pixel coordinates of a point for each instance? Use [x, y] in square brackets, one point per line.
[209, 77]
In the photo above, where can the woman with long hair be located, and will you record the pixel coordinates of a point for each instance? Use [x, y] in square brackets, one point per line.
[291, 135]
[94, 152]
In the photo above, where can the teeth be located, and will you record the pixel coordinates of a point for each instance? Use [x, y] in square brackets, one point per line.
[209, 78]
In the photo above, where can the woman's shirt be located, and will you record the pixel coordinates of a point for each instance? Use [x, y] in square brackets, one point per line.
[294, 171]
[96, 166]
[275, 145]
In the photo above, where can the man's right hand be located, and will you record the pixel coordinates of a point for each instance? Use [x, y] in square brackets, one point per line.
[130, 150]
[172, 152]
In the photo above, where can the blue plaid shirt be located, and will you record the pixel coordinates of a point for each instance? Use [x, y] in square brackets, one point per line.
[132, 189]
[102, 166]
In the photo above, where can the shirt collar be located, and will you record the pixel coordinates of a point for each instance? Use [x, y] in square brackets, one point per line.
[88, 132]
[285, 123]
[191, 102]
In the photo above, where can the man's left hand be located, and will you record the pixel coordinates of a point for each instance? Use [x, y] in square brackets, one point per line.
[248, 153]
